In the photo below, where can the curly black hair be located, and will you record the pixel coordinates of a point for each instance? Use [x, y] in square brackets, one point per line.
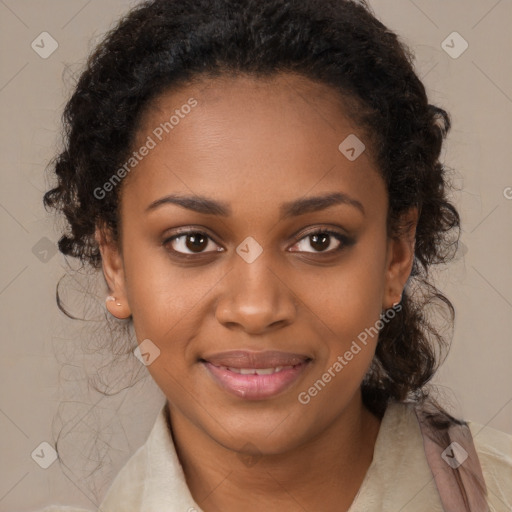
[164, 44]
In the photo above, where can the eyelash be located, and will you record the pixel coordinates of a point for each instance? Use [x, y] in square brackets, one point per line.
[344, 240]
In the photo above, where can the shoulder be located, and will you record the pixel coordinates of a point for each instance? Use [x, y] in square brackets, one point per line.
[401, 431]
[125, 492]
[152, 479]
[129, 486]
[494, 449]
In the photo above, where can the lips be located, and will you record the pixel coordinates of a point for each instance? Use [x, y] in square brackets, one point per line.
[255, 360]
[255, 375]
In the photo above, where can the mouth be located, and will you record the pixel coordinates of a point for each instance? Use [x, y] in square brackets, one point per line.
[255, 375]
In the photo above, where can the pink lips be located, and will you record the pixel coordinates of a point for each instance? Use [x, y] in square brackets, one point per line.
[255, 375]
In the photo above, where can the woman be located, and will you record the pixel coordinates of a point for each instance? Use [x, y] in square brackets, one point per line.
[260, 183]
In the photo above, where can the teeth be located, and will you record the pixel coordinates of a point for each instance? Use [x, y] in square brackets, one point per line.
[248, 371]
[265, 371]
[256, 371]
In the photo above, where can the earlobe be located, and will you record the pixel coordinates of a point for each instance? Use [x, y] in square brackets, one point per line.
[113, 272]
[400, 258]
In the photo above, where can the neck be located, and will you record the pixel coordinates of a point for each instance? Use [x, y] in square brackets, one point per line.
[325, 473]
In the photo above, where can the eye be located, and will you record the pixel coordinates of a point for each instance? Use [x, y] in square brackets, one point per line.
[190, 242]
[323, 241]
[195, 242]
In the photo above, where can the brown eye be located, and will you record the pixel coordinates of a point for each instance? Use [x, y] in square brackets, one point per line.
[320, 242]
[323, 241]
[191, 242]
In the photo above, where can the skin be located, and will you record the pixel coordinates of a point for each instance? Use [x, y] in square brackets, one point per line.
[255, 144]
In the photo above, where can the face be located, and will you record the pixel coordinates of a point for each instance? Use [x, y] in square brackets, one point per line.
[253, 254]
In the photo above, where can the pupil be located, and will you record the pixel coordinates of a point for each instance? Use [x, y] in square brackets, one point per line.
[320, 245]
[197, 242]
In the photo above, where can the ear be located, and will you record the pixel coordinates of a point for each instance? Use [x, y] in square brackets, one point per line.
[113, 271]
[400, 258]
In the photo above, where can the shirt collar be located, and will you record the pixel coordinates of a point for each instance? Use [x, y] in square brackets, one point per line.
[153, 479]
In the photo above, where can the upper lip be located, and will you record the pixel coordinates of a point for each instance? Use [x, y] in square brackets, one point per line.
[246, 359]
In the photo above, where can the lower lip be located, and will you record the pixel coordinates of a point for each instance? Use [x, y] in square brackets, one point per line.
[256, 387]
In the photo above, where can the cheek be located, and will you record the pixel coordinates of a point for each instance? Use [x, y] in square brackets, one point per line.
[157, 294]
[169, 303]
[347, 297]
[350, 306]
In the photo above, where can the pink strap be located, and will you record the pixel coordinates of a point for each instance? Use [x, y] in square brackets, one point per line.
[455, 466]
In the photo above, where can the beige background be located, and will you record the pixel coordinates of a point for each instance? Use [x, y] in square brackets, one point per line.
[41, 364]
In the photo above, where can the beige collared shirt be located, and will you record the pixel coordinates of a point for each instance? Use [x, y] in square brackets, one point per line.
[398, 479]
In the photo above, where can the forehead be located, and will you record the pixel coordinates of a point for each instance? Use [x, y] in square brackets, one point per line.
[252, 139]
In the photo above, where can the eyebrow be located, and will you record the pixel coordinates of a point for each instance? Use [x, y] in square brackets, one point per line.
[204, 205]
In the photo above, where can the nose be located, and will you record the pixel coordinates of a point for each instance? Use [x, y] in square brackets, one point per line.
[255, 298]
